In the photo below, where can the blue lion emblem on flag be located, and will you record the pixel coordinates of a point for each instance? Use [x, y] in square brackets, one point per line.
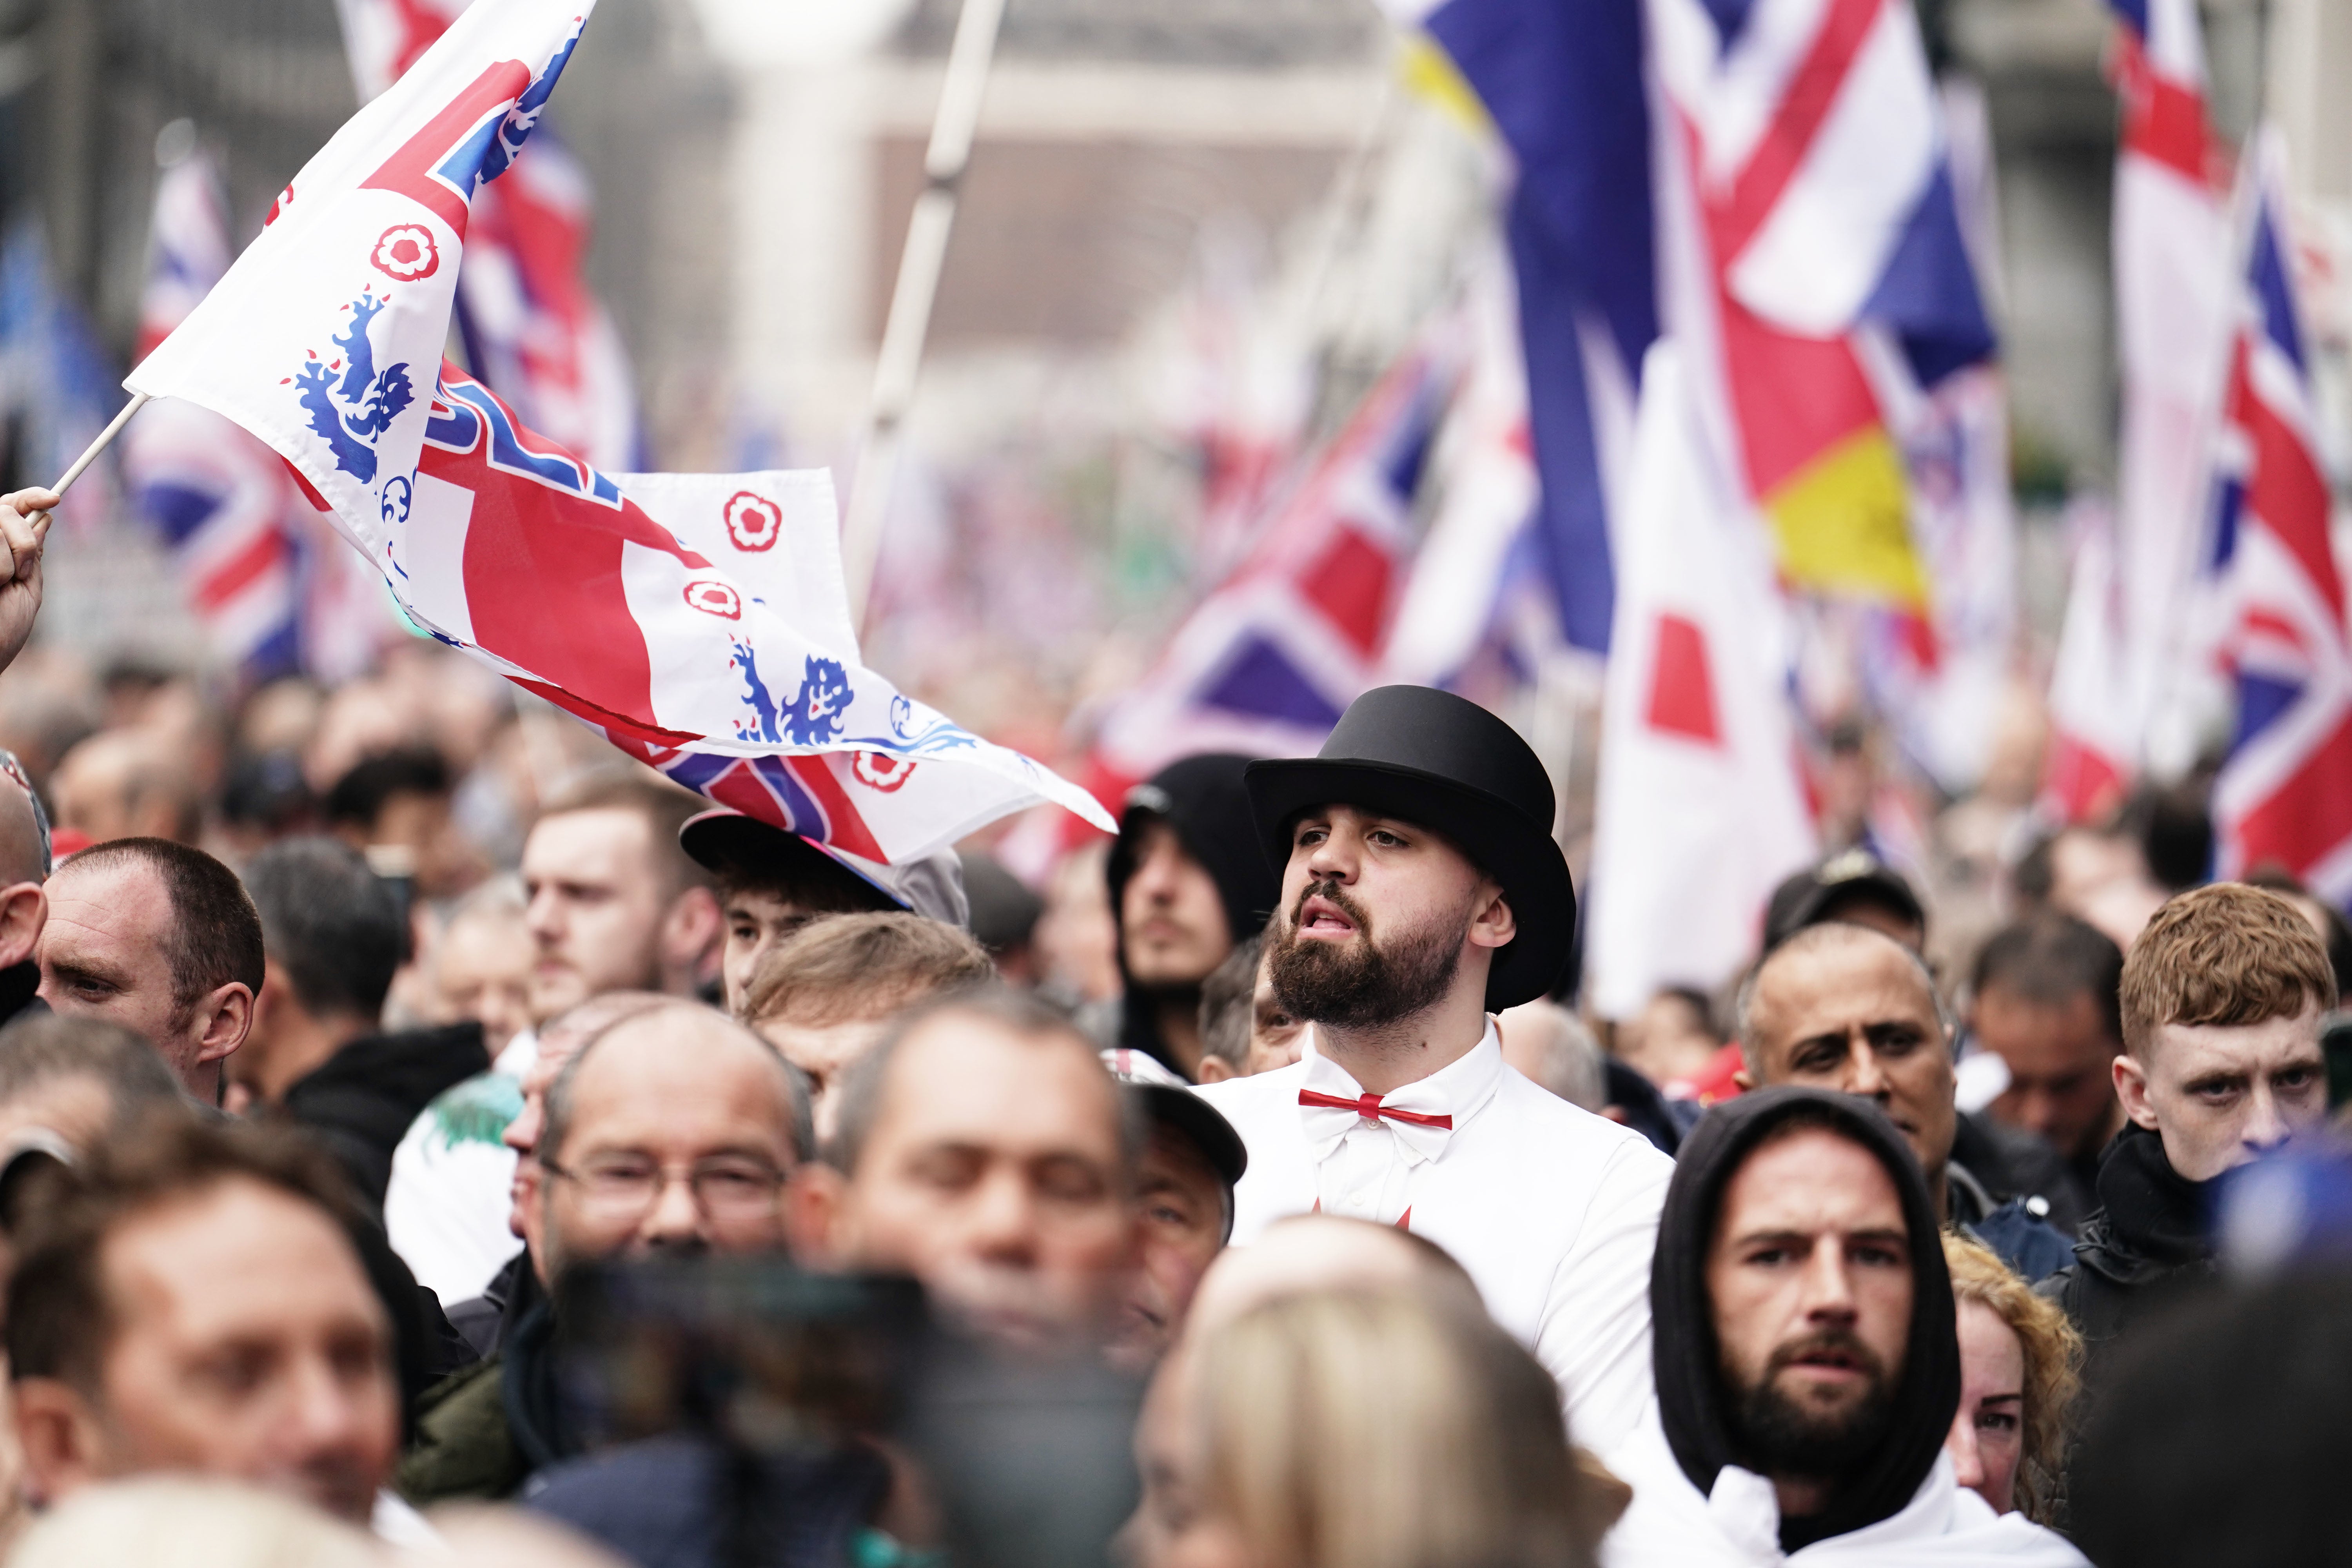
[814, 717]
[352, 414]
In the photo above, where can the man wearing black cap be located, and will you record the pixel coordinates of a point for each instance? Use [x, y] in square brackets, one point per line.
[1421, 892]
[1184, 1186]
[771, 882]
[1855, 887]
[1807, 1362]
[1187, 882]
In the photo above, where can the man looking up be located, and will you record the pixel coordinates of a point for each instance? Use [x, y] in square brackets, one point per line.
[771, 882]
[2047, 1002]
[1846, 1007]
[162, 940]
[2222, 998]
[613, 904]
[983, 1149]
[333, 935]
[1422, 891]
[1807, 1364]
[669, 1134]
[194, 1303]
[1187, 882]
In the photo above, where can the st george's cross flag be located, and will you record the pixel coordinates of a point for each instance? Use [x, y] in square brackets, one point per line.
[635, 612]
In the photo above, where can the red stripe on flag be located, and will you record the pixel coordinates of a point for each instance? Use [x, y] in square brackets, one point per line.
[2287, 493]
[409, 172]
[622, 726]
[1737, 214]
[849, 830]
[1349, 581]
[2164, 120]
[1795, 398]
[264, 553]
[2307, 818]
[1682, 689]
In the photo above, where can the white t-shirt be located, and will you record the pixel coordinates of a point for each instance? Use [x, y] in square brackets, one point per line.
[1552, 1210]
[447, 1209]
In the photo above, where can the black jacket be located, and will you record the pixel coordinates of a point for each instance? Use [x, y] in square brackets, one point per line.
[2013, 1163]
[2150, 1242]
[361, 1100]
[18, 984]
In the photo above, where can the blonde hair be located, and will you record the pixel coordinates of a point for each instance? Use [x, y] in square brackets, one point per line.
[186, 1522]
[1381, 1429]
[2053, 1363]
[839, 967]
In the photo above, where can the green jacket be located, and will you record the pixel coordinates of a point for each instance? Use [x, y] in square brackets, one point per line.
[464, 1448]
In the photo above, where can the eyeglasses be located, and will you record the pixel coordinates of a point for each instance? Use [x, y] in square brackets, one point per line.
[723, 1189]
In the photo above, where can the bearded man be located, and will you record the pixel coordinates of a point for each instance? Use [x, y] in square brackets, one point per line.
[1422, 893]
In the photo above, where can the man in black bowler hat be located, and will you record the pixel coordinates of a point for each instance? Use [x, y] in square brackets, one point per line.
[1421, 892]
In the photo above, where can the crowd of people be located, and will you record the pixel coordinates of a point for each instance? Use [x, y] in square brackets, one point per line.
[420, 1137]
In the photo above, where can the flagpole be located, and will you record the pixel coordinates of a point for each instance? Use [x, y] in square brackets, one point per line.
[920, 262]
[105, 439]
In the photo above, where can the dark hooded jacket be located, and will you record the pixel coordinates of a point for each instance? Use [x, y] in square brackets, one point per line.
[1202, 799]
[1694, 1408]
[2150, 1239]
[361, 1100]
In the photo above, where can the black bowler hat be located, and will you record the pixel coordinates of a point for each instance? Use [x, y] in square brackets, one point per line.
[1429, 757]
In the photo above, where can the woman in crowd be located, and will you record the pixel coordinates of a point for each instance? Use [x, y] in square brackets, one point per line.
[1270, 1447]
[2020, 1361]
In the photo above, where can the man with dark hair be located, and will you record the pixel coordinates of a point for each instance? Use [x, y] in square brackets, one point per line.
[981, 1148]
[1855, 887]
[825, 995]
[1806, 1360]
[333, 934]
[1243, 1026]
[670, 1134]
[1422, 893]
[162, 940]
[1847, 1007]
[1188, 881]
[2046, 1000]
[2222, 999]
[193, 1302]
[772, 881]
[614, 904]
[394, 808]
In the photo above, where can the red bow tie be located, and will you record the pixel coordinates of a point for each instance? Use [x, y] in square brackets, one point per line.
[1369, 1107]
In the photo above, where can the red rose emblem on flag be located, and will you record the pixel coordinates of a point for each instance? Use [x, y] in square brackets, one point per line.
[405, 252]
[876, 770]
[754, 523]
[715, 599]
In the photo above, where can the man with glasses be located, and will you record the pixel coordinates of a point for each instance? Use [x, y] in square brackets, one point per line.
[670, 1134]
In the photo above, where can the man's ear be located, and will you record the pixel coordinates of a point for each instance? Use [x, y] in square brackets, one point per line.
[1216, 1069]
[228, 1017]
[690, 929]
[2131, 1088]
[817, 1204]
[24, 910]
[61, 1438]
[1495, 925]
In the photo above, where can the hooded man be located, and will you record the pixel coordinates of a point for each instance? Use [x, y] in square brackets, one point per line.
[1807, 1362]
[1188, 882]
[1422, 893]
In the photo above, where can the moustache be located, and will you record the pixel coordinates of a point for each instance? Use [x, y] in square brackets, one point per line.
[1839, 1342]
[1331, 893]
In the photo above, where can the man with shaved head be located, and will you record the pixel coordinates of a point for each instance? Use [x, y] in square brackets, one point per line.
[1847, 1007]
[669, 1134]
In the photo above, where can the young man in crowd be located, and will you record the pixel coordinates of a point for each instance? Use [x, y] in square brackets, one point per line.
[611, 904]
[1243, 1029]
[983, 1149]
[1184, 1191]
[826, 993]
[194, 1303]
[1187, 883]
[1807, 1366]
[162, 940]
[670, 1134]
[1847, 1007]
[1422, 890]
[2046, 1000]
[333, 934]
[2222, 999]
[771, 882]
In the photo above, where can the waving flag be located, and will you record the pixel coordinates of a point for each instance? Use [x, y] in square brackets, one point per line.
[221, 499]
[1701, 810]
[2285, 793]
[2094, 749]
[1271, 656]
[633, 608]
[530, 325]
[1817, 269]
[2175, 316]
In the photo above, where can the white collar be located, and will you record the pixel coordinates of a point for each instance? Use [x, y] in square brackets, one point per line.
[1451, 1095]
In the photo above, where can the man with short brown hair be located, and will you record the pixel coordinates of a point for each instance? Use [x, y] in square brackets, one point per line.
[2222, 999]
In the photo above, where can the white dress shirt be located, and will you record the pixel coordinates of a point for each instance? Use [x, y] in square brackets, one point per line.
[1553, 1211]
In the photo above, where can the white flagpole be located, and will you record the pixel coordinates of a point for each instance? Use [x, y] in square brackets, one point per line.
[901, 354]
[105, 439]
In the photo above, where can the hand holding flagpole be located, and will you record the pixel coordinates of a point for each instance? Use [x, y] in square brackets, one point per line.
[25, 520]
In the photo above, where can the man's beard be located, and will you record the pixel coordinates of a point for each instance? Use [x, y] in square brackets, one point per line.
[1362, 981]
[1776, 1435]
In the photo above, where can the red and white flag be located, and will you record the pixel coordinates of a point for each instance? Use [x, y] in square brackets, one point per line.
[695, 621]
[1701, 808]
[2094, 735]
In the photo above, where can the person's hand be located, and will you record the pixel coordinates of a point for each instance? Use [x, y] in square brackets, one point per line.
[23, 526]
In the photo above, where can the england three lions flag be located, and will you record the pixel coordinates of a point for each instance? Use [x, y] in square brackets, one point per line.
[699, 621]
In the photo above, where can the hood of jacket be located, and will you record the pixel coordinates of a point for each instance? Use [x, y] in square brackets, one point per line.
[1695, 1408]
[2152, 1221]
